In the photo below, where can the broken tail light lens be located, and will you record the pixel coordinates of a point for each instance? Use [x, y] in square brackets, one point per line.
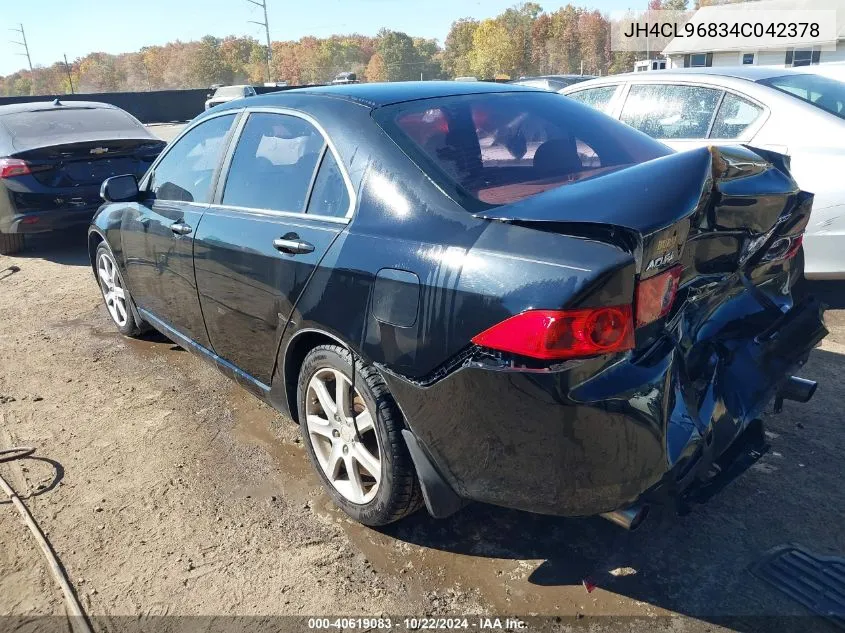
[656, 295]
[10, 167]
[562, 334]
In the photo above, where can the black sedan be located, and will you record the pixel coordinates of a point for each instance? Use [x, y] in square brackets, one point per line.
[473, 292]
[53, 158]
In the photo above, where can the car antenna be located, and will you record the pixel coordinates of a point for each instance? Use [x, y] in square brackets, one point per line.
[56, 102]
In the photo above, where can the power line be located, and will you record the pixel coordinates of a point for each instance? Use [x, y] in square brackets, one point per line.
[266, 25]
[25, 45]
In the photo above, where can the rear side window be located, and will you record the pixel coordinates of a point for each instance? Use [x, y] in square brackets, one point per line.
[187, 170]
[274, 163]
[822, 92]
[329, 195]
[667, 111]
[497, 148]
[735, 116]
[598, 98]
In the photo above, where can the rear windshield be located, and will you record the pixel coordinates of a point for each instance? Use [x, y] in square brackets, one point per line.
[497, 148]
[29, 129]
[230, 91]
[822, 92]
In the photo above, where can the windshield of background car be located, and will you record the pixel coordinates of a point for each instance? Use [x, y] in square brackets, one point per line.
[230, 91]
[822, 92]
[497, 148]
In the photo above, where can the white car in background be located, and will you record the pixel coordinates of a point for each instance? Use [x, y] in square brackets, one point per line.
[800, 114]
[224, 94]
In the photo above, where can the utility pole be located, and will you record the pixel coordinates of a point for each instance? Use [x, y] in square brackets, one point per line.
[266, 25]
[24, 44]
[69, 76]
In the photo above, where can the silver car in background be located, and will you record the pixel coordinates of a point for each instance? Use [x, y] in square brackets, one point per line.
[800, 114]
[224, 94]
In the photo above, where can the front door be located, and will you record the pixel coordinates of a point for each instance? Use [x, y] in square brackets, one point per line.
[282, 204]
[159, 236]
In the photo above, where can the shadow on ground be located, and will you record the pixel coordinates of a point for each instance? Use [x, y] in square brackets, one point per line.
[68, 247]
[696, 565]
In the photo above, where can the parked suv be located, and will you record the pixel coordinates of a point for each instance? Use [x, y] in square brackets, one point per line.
[795, 113]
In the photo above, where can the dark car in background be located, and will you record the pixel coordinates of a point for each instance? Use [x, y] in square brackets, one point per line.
[224, 94]
[473, 291]
[553, 83]
[53, 158]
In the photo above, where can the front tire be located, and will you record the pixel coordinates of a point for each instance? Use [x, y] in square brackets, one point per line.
[11, 243]
[363, 462]
[115, 295]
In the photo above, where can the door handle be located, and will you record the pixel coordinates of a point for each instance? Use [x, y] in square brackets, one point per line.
[180, 228]
[293, 245]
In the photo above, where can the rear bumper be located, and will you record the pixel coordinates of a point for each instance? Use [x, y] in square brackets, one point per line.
[603, 434]
[44, 221]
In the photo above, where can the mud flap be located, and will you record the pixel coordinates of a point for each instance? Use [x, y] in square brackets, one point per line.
[440, 500]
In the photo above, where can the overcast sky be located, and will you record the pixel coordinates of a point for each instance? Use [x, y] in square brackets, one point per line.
[79, 27]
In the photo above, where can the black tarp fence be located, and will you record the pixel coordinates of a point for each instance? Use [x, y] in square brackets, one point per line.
[157, 106]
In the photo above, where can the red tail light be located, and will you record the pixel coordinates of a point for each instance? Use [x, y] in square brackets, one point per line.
[656, 295]
[562, 334]
[10, 167]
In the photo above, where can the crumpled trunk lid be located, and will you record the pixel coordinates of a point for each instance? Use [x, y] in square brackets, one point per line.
[711, 208]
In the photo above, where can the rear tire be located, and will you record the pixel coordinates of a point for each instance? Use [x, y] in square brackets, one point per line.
[115, 294]
[11, 243]
[334, 443]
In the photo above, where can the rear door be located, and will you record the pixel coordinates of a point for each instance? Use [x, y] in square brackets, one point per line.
[283, 201]
[158, 237]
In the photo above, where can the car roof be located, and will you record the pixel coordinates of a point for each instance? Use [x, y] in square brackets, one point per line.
[40, 106]
[570, 76]
[748, 73]
[381, 94]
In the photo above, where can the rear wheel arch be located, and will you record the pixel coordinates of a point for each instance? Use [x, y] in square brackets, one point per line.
[294, 355]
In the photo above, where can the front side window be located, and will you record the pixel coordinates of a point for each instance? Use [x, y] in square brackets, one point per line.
[497, 148]
[822, 92]
[735, 116]
[668, 111]
[273, 163]
[187, 170]
[598, 98]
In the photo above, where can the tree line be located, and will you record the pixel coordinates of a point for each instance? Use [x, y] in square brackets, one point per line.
[522, 40]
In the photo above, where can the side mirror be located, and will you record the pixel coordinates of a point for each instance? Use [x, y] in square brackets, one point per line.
[119, 189]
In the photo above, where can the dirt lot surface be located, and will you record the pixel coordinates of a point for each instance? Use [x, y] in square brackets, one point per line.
[166, 489]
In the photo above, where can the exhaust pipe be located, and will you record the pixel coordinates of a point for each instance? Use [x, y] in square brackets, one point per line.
[629, 518]
[798, 389]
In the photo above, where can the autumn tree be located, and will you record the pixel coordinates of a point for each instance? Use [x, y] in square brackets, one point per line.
[376, 69]
[458, 47]
[399, 55]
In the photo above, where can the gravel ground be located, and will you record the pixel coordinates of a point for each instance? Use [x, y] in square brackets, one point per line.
[166, 489]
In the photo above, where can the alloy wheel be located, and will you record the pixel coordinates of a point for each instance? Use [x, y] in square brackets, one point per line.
[112, 288]
[348, 448]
